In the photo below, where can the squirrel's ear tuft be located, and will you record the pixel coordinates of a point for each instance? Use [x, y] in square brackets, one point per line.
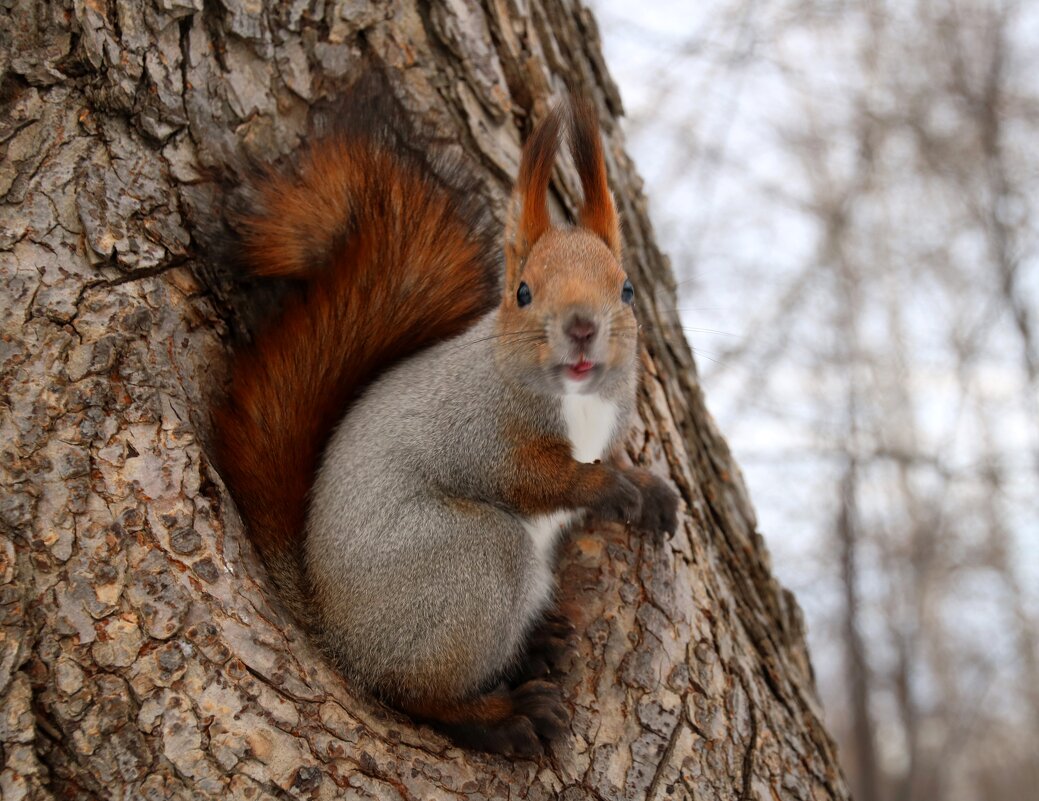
[598, 214]
[528, 217]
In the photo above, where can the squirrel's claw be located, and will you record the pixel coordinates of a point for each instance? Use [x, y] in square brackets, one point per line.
[659, 512]
[621, 501]
[551, 649]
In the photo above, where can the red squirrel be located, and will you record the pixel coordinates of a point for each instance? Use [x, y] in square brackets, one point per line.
[406, 441]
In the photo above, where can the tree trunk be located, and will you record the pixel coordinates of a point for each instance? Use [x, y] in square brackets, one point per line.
[142, 653]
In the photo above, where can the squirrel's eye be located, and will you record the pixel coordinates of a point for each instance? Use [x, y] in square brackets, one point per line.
[627, 292]
[523, 296]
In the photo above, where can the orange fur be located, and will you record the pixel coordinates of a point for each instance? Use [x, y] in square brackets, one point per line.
[533, 244]
[598, 213]
[566, 269]
[396, 260]
[492, 708]
[530, 196]
[502, 721]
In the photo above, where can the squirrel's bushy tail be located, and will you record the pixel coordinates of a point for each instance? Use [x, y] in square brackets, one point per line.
[396, 254]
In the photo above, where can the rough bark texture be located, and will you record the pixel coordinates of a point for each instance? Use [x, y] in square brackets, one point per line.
[141, 653]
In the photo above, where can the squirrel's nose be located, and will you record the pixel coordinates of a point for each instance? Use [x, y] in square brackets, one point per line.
[581, 330]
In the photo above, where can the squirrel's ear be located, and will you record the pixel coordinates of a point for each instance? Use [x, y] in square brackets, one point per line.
[528, 209]
[598, 214]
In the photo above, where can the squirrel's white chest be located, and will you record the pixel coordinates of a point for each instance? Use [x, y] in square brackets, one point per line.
[590, 425]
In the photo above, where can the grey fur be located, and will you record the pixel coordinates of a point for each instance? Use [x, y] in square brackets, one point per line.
[426, 583]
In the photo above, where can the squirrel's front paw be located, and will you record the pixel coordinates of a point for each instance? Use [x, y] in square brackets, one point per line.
[659, 513]
[620, 500]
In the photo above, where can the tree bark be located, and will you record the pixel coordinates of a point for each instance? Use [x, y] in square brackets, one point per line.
[142, 653]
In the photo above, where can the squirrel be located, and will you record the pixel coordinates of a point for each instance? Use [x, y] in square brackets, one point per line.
[408, 440]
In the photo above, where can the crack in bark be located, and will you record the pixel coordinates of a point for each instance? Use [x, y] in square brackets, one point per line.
[748, 755]
[665, 759]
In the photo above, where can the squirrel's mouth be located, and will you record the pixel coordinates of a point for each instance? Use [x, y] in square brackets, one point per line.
[580, 370]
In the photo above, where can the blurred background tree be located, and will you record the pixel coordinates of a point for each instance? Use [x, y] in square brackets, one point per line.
[848, 192]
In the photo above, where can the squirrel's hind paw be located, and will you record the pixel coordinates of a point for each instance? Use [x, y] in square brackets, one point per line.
[541, 702]
[512, 723]
[514, 736]
[551, 649]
